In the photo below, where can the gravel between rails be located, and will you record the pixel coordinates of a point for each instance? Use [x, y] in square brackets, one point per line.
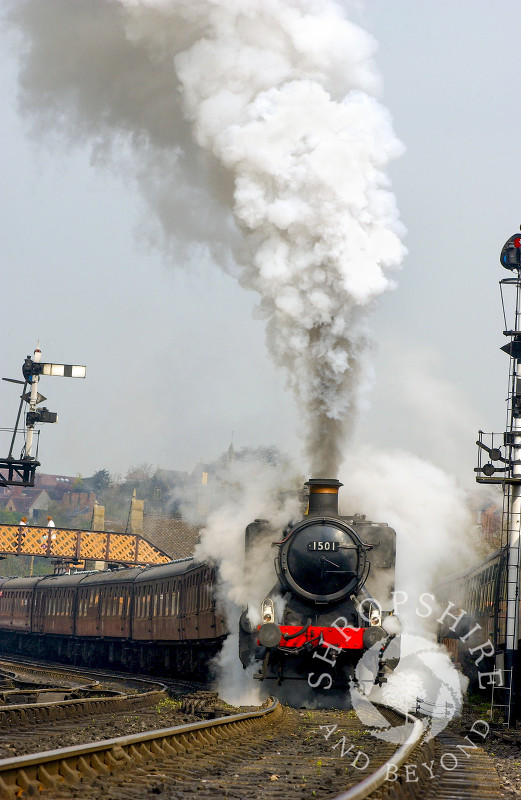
[292, 759]
[66, 733]
[506, 757]
[507, 761]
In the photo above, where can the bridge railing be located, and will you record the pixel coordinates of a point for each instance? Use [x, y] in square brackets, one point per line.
[77, 545]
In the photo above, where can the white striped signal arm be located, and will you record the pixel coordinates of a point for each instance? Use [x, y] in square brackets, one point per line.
[64, 370]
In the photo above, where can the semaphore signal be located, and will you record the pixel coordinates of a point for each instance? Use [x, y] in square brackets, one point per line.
[20, 471]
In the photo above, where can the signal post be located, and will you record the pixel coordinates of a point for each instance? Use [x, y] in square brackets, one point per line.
[504, 467]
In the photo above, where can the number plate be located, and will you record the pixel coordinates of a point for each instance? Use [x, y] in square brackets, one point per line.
[327, 547]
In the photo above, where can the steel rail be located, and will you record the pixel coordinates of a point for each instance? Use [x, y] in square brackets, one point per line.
[373, 782]
[103, 674]
[30, 713]
[66, 671]
[50, 770]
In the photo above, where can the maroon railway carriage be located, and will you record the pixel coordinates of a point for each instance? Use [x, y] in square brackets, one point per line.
[15, 603]
[156, 619]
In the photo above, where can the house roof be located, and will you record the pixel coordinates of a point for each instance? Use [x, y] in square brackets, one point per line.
[64, 482]
[172, 476]
[173, 536]
[25, 502]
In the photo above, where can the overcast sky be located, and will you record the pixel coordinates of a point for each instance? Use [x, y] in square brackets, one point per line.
[175, 359]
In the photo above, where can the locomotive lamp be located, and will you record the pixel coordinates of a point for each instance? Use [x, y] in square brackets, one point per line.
[268, 610]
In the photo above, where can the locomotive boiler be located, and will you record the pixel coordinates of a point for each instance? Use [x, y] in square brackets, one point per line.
[331, 600]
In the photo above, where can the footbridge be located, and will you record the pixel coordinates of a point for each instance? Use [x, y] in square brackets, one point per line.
[70, 544]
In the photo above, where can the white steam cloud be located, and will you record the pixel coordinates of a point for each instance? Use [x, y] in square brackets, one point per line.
[428, 510]
[431, 516]
[251, 490]
[254, 134]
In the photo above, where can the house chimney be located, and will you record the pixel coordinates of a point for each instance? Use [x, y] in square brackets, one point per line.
[323, 497]
[136, 514]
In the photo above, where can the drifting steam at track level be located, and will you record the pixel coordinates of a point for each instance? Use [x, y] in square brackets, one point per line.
[254, 134]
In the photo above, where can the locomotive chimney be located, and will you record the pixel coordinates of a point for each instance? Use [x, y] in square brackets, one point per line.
[323, 497]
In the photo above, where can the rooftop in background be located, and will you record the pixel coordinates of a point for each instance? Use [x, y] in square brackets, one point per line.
[173, 536]
[44, 481]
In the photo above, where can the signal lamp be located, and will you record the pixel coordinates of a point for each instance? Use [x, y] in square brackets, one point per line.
[510, 257]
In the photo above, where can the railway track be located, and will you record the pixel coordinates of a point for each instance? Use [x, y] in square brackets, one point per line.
[241, 756]
[53, 770]
[471, 777]
[68, 672]
[268, 752]
[73, 693]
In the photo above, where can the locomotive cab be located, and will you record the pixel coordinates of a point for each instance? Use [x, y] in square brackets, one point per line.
[320, 606]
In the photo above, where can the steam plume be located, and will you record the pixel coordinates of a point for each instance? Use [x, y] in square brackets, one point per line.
[427, 508]
[434, 529]
[249, 490]
[254, 134]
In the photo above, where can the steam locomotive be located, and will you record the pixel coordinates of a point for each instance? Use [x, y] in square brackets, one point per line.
[334, 577]
[314, 625]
